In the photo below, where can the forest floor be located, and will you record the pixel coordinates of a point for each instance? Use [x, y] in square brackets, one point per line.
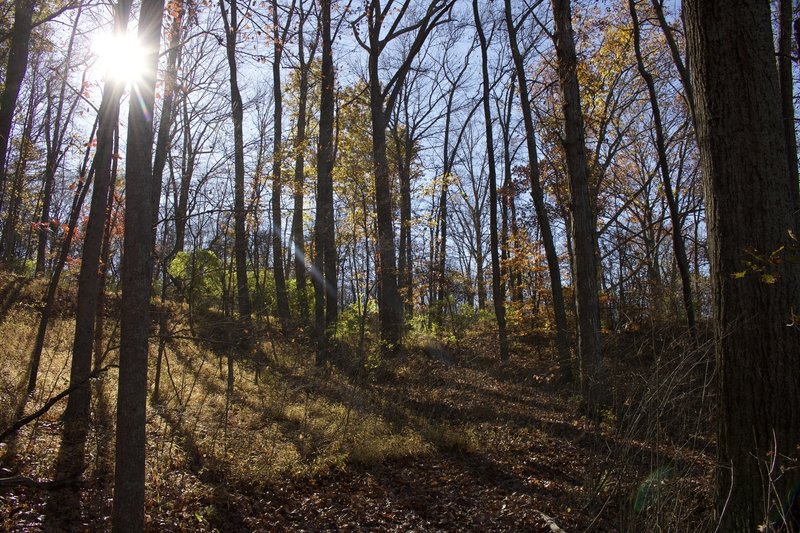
[443, 438]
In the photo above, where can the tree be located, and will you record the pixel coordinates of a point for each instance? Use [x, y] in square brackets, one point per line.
[129, 472]
[300, 148]
[749, 211]
[88, 279]
[537, 194]
[12, 81]
[325, 260]
[57, 119]
[279, 35]
[786, 79]
[661, 149]
[231, 26]
[498, 294]
[581, 217]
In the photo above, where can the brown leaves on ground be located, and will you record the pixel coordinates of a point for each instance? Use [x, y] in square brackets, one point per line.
[449, 439]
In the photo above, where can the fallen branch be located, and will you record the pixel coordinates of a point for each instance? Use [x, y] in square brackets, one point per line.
[550, 522]
[22, 422]
[22, 481]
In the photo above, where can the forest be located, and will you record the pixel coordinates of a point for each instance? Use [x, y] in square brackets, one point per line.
[394, 265]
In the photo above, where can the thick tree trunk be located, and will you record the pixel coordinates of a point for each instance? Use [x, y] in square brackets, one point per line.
[129, 473]
[390, 311]
[498, 292]
[786, 79]
[749, 208]
[537, 194]
[582, 225]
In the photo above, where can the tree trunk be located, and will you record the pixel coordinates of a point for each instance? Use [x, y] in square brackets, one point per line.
[239, 213]
[88, 278]
[11, 227]
[678, 245]
[745, 176]
[166, 120]
[786, 79]
[18, 47]
[54, 136]
[325, 283]
[298, 240]
[84, 181]
[582, 225]
[129, 473]
[498, 292]
[537, 194]
[282, 296]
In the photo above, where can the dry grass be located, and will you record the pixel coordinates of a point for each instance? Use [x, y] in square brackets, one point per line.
[292, 421]
[441, 422]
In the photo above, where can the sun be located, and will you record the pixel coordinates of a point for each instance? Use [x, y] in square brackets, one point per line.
[120, 57]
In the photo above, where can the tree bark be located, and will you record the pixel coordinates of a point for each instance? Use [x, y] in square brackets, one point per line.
[298, 240]
[582, 225]
[56, 128]
[325, 282]
[84, 181]
[239, 213]
[678, 244]
[498, 292]
[282, 296]
[15, 72]
[129, 474]
[537, 194]
[748, 208]
[786, 79]
[88, 278]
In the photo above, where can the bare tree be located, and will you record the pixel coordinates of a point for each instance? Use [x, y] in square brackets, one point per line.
[385, 25]
[230, 20]
[129, 473]
[498, 292]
